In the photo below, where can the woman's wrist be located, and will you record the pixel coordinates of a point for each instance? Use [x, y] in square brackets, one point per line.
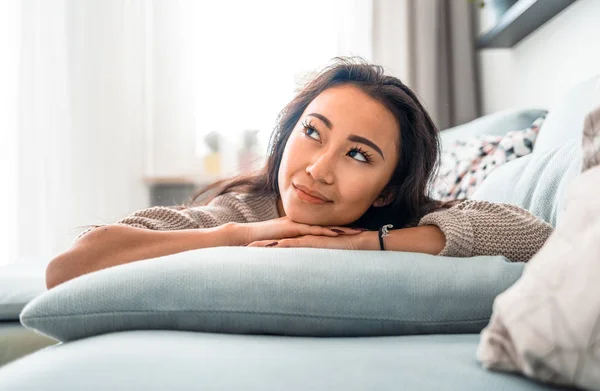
[230, 234]
[427, 239]
[368, 240]
[195, 239]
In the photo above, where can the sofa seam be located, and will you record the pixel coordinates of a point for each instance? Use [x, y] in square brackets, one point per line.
[252, 313]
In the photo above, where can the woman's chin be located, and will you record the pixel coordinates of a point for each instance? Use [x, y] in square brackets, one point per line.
[306, 213]
[305, 217]
[311, 218]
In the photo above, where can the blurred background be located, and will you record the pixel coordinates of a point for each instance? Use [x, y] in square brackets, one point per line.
[110, 106]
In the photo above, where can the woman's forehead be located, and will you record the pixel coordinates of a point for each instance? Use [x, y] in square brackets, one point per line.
[349, 108]
[350, 100]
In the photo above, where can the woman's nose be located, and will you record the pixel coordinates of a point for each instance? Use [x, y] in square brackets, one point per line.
[321, 169]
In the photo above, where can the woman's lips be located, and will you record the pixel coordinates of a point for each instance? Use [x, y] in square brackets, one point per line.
[308, 198]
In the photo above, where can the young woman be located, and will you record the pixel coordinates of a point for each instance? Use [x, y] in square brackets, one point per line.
[352, 156]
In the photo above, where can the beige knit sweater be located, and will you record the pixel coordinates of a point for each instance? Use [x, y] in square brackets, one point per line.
[471, 228]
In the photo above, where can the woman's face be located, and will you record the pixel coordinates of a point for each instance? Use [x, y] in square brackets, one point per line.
[338, 159]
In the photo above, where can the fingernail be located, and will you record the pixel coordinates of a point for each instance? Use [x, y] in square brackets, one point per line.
[271, 244]
[360, 229]
[339, 231]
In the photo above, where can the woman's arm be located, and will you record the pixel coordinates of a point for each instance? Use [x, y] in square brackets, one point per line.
[155, 232]
[468, 229]
[474, 228]
[471, 228]
[115, 244]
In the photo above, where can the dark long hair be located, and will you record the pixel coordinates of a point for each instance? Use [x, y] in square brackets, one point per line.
[419, 150]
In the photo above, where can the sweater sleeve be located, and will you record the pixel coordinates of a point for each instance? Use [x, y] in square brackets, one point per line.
[474, 228]
[223, 209]
[229, 207]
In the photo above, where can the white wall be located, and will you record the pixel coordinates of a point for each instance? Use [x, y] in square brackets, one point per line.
[534, 73]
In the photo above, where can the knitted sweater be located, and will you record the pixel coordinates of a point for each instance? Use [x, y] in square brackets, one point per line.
[471, 228]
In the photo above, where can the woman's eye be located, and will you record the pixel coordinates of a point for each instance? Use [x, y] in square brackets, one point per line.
[312, 133]
[357, 155]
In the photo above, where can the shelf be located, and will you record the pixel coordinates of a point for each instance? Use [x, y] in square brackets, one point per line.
[182, 180]
[520, 20]
[170, 180]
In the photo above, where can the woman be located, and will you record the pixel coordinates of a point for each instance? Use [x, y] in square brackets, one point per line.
[352, 156]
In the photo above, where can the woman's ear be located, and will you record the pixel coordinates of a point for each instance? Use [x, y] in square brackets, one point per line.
[384, 199]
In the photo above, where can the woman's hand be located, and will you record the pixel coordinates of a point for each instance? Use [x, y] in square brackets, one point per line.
[361, 241]
[427, 239]
[282, 228]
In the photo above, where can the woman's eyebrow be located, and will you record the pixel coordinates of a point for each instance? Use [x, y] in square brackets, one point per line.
[366, 141]
[352, 137]
[325, 120]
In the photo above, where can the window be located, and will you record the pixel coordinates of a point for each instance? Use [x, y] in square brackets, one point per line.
[246, 68]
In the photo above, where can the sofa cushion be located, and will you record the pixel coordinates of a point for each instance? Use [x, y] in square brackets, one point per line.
[185, 361]
[302, 292]
[536, 183]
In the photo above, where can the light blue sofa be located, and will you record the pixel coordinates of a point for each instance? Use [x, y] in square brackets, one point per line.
[301, 319]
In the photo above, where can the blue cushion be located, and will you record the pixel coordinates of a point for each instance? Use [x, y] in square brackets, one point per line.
[302, 292]
[537, 182]
[183, 361]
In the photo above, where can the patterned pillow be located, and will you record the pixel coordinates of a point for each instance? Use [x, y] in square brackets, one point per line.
[468, 163]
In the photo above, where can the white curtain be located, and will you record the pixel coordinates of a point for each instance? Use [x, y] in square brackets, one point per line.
[45, 131]
[10, 31]
[82, 115]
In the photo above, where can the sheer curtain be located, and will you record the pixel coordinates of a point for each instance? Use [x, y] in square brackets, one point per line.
[10, 31]
[45, 131]
[79, 114]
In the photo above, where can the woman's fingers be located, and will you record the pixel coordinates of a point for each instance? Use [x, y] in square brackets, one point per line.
[301, 241]
[347, 231]
[263, 243]
[317, 230]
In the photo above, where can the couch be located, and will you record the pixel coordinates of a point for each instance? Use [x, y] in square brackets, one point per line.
[298, 319]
